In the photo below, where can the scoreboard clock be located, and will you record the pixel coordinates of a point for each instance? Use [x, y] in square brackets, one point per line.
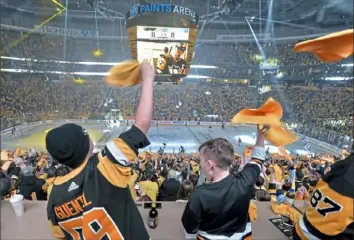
[162, 33]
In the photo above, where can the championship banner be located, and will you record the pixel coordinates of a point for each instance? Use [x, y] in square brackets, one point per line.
[193, 33]
[132, 36]
[68, 31]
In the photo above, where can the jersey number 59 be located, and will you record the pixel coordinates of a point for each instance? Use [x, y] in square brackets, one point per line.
[317, 197]
[93, 224]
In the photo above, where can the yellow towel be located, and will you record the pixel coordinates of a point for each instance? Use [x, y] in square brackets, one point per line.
[269, 113]
[20, 152]
[285, 209]
[278, 173]
[330, 48]
[252, 211]
[4, 155]
[277, 135]
[283, 152]
[124, 75]
[267, 117]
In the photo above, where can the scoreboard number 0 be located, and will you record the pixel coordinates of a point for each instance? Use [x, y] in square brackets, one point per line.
[153, 34]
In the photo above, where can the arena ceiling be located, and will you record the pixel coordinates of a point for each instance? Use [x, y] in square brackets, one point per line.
[307, 12]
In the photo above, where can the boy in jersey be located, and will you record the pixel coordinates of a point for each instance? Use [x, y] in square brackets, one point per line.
[219, 209]
[93, 201]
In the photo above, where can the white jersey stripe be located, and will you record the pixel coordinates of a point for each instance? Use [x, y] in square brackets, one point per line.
[305, 231]
[235, 236]
[117, 154]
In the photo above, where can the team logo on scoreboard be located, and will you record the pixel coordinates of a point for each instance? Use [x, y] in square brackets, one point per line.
[149, 29]
[134, 11]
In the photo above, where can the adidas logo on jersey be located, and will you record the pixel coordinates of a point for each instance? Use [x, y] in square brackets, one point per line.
[73, 186]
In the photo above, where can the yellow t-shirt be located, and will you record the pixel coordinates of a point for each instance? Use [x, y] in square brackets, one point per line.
[252, 211]
[150, 188]
[285, 209]
[131, 184]
[278, 172]
[161, 180]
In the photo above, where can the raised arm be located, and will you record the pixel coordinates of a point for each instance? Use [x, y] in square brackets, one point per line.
[251, 170]
[143, 115]
[116, 157]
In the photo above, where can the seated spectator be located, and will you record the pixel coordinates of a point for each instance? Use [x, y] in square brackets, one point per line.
[169, 188]
[185, 190]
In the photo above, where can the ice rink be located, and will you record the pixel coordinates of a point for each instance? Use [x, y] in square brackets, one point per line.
[190, 137]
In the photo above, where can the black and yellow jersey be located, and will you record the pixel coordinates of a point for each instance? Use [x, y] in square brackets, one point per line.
[94, 200]
[330, 213]
[231, 197]
[178, 66]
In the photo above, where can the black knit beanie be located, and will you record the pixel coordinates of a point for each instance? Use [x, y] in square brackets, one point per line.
[68, 144]
[5, 186]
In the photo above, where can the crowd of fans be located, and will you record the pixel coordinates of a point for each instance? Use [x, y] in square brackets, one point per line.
[29, 98]
[176, 175]
[172, 177]
[36, 97]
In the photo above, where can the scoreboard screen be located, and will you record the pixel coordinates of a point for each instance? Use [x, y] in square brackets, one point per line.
[162, 33]
[165, 36]
[168, 58]
[166, 48]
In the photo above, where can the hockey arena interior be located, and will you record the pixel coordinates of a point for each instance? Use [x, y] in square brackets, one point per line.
[177, 119]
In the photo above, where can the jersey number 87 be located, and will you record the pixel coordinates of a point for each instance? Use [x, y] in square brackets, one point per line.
[318, 197]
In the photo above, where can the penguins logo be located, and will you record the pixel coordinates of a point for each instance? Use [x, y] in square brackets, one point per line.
[177, 69]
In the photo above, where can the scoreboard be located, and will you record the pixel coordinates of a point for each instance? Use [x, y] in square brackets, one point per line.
[162, 33]
[165, 36]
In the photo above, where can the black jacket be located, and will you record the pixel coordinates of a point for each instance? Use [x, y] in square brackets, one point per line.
[221, 208]
[30, 184]
[169, 189]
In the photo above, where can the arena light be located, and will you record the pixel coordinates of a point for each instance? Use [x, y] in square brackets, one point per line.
[10, 70]
[338, 78]
[92, 63]
[197, 76]
[54, 72]
[91, 73]
[347, 65]
[204, 66]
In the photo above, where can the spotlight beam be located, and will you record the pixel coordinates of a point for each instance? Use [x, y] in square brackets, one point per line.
[16, 42]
